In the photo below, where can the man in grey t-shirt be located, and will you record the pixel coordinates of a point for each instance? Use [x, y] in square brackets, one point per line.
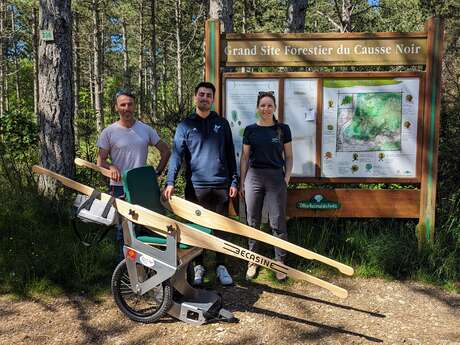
[126, 141]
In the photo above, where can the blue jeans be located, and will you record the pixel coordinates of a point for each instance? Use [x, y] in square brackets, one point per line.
[118, 192]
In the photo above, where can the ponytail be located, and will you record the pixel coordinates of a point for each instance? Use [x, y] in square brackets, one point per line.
[279, 131]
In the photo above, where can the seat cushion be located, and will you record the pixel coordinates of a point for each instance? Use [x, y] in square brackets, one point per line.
[141, 188]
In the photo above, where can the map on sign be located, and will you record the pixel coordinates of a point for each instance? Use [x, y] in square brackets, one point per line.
[369, 121]
[369, 127]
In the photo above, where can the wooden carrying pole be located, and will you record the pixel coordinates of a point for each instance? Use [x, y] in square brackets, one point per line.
[190, 236]
[204, 217]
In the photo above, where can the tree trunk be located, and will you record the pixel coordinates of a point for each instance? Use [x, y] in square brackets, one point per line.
[153, 62]
[97, 49]
[76, 72]
[140, 76]
[163, 77]
[55, 109]
[347, 10]
[295, 17]
[2, 59]
[15, 59]
[91, 81]
[244, 24]
[178, 53]
[126, 76]
[223, 10]
[35, 56]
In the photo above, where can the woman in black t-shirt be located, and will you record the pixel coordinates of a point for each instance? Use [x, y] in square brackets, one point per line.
[265, 170]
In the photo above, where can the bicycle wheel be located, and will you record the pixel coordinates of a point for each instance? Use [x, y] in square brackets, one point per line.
[146, 308]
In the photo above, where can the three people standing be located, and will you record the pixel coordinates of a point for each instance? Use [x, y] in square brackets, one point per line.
[204, 141]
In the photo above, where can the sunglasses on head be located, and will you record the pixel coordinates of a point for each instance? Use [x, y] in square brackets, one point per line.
[266, 93]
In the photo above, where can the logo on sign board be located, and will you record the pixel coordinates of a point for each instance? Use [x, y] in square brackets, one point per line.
[318, 202]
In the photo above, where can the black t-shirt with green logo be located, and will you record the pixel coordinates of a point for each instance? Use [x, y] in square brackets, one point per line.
[266, 145]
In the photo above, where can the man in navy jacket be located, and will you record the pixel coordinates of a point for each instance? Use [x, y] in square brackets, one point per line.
[204, 140]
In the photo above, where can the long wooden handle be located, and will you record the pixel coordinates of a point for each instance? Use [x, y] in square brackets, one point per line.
[204, 217]
[188, 235]
[83, 163]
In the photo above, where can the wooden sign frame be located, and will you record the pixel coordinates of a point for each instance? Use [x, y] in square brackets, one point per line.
[419, 202]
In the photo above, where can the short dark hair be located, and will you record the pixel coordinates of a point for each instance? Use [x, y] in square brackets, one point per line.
[207, 85]
[125, 92]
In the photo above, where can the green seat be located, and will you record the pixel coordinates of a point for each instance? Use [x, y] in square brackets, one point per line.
[141, 188]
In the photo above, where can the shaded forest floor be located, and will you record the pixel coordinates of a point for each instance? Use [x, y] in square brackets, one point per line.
[376, 311]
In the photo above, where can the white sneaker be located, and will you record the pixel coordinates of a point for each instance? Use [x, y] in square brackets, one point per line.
[199, 274]
[224, 276]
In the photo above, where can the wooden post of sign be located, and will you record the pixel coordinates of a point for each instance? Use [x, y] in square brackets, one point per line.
[425, 228]
[212, 58]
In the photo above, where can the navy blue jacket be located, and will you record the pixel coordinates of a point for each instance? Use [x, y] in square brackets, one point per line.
[207, 147]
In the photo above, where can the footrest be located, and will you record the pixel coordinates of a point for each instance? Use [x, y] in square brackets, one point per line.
[160, 240]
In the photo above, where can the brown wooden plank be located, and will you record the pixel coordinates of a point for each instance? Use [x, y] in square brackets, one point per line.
[358, 203]
[207, 51]
[212, 59]
[435, 29]
[420, 125]
[304, 64]
[319, 127]
[324, 52]
[217, 74]
[329, 75]
[341, 180]
[281, 100]
[322, 36]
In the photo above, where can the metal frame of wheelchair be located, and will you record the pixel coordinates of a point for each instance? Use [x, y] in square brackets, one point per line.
[150, 283]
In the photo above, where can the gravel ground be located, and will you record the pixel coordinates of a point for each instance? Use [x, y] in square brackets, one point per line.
[376, 311]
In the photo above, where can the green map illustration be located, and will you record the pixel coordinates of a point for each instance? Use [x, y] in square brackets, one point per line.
[369, 121]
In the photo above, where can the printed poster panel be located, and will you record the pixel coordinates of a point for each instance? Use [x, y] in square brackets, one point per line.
[370, 127]
[241, 103]
[300, 100]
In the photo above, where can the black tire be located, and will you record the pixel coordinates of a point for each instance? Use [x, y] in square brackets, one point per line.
[147, 308]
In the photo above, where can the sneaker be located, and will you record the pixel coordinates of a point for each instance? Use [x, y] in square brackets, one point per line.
[280, 276]
[199, 274]
[223, 275]
[252, 271]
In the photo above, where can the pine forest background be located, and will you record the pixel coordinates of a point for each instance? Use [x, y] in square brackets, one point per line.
[155, 47]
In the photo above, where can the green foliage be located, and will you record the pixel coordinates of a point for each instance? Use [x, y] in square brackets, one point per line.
[38, 249]
[383, 247]
[18, 131]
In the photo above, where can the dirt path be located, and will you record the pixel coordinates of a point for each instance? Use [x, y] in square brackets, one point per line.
[376, 311]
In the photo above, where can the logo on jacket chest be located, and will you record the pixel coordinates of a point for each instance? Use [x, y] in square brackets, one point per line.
[217, 128]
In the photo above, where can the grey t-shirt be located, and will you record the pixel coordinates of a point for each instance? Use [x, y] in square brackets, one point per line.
[128, 147]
